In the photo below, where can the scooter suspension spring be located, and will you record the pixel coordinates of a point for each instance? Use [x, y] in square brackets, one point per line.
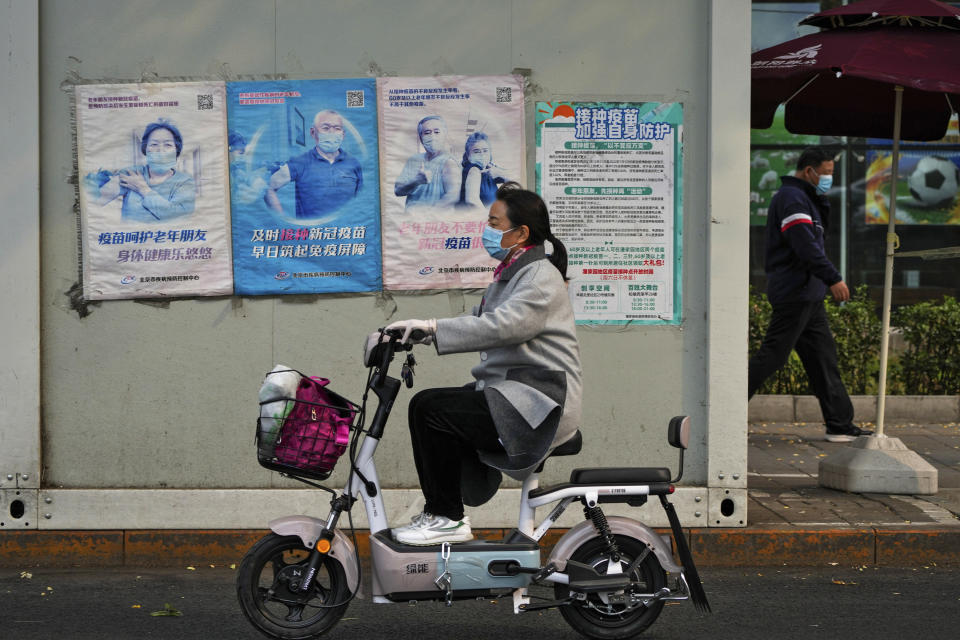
[596, 515]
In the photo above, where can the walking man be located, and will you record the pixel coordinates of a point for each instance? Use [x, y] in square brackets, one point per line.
[798, 276]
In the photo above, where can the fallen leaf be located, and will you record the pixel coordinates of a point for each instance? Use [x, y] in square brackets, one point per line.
[166, 611]
[135, 606]
[844, 582]
[26, 574]
[191, 568]
[833, 564]
[233, 566]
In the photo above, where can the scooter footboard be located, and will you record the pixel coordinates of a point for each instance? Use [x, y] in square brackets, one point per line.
[308, 530]
[618, 525]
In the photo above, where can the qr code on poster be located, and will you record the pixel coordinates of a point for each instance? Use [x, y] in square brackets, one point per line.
[355, 98]
[504, 94]
[204, 102]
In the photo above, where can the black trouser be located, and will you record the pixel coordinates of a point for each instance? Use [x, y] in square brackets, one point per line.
[447, 425]
[803, 326]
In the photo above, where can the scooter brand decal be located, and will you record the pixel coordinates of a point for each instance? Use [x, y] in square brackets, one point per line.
[417, 567]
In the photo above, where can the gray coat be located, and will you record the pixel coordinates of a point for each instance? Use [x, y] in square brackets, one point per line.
[529, 367]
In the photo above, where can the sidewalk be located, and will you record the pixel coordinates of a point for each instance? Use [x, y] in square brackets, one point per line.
[791, 520]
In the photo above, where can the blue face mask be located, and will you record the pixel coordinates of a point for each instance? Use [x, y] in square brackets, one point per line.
[161, 161]
[491, 242]
[480, 159]
[329, 142]
[824, 184]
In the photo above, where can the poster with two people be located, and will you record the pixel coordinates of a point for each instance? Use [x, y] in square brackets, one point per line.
[447, 143]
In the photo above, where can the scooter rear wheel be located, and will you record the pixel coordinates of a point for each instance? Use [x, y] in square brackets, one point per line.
[602, 617]
[267, 587]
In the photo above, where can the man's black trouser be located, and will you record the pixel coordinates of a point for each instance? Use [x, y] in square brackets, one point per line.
[446, 426]
[803, 326]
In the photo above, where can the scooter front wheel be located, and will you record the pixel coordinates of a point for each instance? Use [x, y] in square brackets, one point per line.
[268, 589]
[613, 616]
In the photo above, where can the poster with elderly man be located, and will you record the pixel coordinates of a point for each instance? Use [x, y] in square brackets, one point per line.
[447, 144]
[154, 218]
[304, 186]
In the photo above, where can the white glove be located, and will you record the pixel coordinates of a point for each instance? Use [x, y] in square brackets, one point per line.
[427, 327]
[370, 345]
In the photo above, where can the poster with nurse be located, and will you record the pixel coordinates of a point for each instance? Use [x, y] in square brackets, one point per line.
[155, 220]
[446, 144]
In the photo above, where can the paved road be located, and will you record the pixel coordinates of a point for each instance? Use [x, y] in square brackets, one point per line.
[748, 603]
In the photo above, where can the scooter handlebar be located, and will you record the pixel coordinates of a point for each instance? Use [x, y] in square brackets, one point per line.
[383, 339]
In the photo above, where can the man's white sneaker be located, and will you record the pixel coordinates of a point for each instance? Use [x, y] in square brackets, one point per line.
[849, 435]
[429, 529]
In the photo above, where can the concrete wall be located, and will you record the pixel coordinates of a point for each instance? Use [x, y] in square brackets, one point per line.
[161, 395]
[19, 264]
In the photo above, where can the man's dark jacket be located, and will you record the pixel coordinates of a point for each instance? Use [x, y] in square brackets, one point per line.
[797, 266]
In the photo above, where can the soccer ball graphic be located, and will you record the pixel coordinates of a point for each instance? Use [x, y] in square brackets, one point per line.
[934, 182]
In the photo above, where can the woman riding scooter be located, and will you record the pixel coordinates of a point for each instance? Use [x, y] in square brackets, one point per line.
[526, 397]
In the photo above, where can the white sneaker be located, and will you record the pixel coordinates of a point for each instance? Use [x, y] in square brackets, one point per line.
[849, 435]
[414, 522]
[427, 529]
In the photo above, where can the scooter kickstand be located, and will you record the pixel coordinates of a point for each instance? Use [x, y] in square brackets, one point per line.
[444, 581]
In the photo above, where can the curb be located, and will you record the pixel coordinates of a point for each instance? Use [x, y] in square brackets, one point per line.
[916, 409]
[721, 547]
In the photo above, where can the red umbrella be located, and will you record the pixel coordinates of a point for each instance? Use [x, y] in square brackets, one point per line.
[886, 12]
[880, 80]
[840, 82]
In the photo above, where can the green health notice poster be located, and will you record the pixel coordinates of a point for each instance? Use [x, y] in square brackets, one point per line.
[611, 175]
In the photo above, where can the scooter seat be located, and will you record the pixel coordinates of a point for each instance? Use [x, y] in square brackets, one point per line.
[571, 447]
[620, 475]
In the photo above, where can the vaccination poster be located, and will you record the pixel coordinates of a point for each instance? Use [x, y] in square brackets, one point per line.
[447, 143]
[153, 190]
[611, 175]
[304, 186]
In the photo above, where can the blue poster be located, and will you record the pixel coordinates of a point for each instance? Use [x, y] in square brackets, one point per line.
[304, 186]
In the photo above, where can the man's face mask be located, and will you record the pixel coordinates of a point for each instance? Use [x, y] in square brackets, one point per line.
[432, 136]
[823, 180]
[824, 183]
[329, 141]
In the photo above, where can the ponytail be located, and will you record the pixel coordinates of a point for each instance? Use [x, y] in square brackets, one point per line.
[525, 208]
[559, 255]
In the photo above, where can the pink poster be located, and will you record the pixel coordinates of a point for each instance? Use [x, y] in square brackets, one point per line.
[446, 144]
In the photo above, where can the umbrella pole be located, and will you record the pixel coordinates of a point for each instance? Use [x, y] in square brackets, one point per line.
[878, 464]
[892, 244]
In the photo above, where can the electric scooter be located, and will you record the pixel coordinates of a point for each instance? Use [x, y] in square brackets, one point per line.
[611, 576]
